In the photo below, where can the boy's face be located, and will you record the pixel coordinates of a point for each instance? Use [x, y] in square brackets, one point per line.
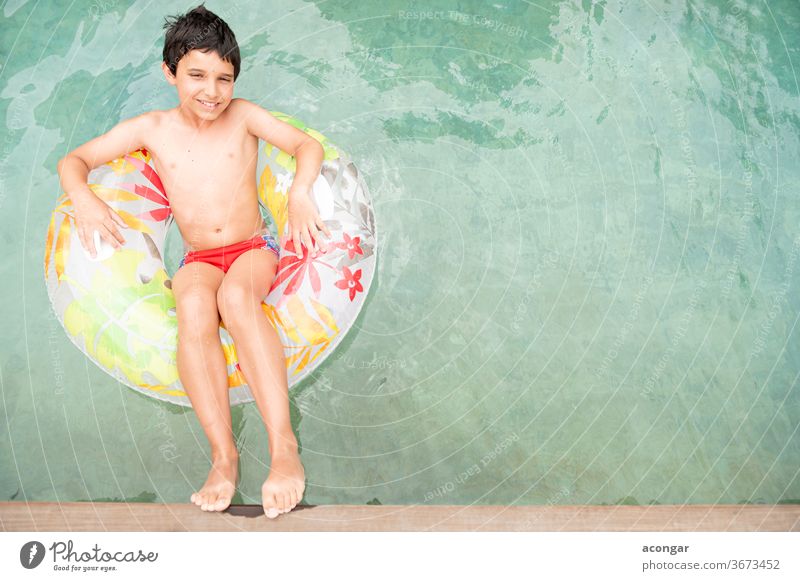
[202, 78]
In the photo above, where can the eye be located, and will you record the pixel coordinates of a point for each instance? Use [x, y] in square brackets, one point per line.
[195, 75]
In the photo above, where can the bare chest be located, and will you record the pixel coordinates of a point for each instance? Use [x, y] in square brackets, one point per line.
[213, 167]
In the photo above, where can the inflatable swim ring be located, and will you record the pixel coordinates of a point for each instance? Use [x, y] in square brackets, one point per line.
[120, 311]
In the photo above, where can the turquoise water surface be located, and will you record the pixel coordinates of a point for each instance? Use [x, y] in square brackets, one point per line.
[587, 287]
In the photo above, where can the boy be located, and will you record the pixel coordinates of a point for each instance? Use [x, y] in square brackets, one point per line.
[205, 151]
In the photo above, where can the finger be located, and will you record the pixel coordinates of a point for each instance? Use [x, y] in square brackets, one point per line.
[322, 226]
[312, 239]
[119, 219]
[82, 237]
[316, 237]
[90, 245]
[307, 239]
[118, 235]
[112, 236]
[297, 247]
[319, 243]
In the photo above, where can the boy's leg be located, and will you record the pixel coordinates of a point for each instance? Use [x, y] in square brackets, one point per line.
[261, 358]
[203, 373]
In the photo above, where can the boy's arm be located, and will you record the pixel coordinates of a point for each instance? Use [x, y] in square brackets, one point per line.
[304, 220]
[306, 150]
[91, 213]
[74, 168]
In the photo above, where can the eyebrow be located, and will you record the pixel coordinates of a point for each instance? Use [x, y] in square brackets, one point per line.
[202, 71]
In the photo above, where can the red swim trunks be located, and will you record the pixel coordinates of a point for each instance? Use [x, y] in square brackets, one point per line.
[224, 256]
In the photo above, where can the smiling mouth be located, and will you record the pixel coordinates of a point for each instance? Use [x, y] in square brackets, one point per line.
[208, 104]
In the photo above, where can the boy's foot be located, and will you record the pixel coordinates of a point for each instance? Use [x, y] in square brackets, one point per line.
[284, 488]
[220, 486]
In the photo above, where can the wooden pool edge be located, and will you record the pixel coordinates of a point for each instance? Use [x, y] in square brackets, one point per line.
[113, 516]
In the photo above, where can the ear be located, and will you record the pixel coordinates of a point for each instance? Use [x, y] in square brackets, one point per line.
[168, 74]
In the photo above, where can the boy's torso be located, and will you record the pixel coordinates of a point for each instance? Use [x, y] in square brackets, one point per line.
[209, 176]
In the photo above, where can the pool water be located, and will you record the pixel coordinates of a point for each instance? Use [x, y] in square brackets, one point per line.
[587, 286]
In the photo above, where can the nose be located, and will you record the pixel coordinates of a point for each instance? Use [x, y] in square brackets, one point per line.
[211, 90]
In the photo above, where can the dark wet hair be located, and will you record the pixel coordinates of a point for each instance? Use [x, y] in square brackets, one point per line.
[203, 30]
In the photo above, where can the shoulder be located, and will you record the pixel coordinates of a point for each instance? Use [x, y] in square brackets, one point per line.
[261, 123]
[247, 108]
[252, 116]
[144, 123]
[147, 126]
[155, 118]
[243, 108]
[240, 103]
[160, 117]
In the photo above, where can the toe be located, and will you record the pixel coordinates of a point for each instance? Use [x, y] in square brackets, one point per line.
[283, 506]
[271, 506]
[219, 502]
[294, 498]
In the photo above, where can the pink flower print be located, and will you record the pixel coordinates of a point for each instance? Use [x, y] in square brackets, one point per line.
[295, 267]
[350, 244]
[351, 281]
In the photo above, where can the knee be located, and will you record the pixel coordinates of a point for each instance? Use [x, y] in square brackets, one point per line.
[236, 303]
[197, 316]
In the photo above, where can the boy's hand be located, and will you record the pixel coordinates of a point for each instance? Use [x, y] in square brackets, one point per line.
[92, 213]
[304, 223]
